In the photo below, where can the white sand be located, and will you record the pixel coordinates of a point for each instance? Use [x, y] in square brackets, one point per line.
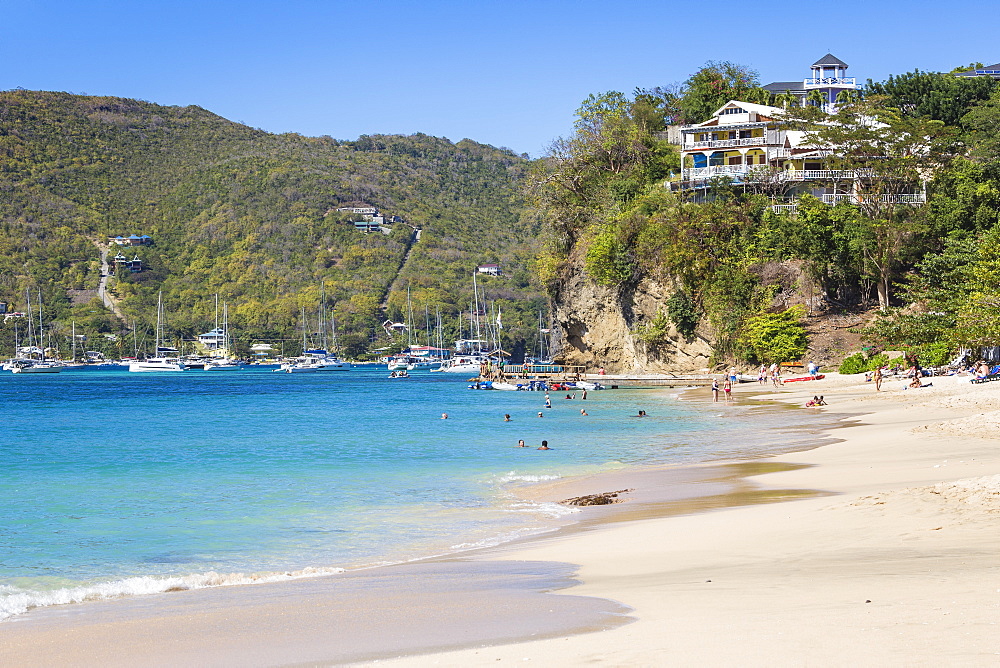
[902, 568]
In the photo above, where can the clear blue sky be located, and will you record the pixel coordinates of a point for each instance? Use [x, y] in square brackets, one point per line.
[504, 73]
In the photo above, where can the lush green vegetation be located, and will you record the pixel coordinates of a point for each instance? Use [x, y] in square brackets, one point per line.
[932, 270]
[252, 217]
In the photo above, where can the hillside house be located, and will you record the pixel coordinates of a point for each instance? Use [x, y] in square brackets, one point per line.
[122, 263]
[490, 269]
[829, 78]
[992, 71]
[749, 144]
[131, 240]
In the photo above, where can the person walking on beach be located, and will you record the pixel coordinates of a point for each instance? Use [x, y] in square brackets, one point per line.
[727, 387]
[762, 375]
[715, 389]
[877, 377]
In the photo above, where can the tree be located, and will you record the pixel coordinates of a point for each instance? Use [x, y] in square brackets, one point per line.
[712, 86]
[775, 337]
[983, 125]
[943, 97]
[891, 155]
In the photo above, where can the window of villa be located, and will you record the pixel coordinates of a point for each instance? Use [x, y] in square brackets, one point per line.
[733, 110]
[746, 134]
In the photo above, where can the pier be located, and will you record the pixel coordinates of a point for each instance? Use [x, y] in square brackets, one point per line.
[570, 373]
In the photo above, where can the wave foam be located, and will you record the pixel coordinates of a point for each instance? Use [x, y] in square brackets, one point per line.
[22, 601]
[514, 476]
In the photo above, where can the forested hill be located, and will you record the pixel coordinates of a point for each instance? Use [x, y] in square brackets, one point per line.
[251, 216]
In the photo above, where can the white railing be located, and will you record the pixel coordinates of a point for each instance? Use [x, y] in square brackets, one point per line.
[695, 173]
[855, 198]
[809, 174]
[784, 208]
[727, 143]
[829, 81]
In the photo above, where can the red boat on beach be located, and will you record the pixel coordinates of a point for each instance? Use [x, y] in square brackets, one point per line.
[816, 377]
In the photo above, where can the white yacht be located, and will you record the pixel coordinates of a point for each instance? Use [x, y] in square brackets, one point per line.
[157, 364]
[33, 366]
[166, 358]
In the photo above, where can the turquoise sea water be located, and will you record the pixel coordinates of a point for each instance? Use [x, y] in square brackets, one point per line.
[116, 483]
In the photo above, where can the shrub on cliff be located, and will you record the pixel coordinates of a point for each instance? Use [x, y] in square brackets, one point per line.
[608, 261]
[775, 337]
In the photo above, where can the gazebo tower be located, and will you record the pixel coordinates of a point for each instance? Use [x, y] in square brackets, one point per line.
[829, 76]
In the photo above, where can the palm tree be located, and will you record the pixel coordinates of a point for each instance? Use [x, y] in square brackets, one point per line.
[817, 98]
[785, 100]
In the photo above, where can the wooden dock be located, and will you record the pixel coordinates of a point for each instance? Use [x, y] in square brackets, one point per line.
[514, 373]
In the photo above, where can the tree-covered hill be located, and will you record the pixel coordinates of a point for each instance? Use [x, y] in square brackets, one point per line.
[251, 216]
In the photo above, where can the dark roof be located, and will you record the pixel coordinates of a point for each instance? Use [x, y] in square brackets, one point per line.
[828, 60]
[782, 86]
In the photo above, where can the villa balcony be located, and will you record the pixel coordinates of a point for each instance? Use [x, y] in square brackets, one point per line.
[854, 198]
[823, 82]
[728, 143]
[762, 173]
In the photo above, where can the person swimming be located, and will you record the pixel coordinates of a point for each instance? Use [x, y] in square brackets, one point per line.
[544, 446]
[541, 414]
[521, 444]
[444, 416]
[583, 411]
[506, 417]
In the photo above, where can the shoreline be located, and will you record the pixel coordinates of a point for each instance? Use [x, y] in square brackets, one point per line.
[610, 550]
[896, 567]
[675, 488]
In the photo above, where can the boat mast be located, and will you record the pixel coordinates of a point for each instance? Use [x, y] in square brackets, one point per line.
[475, 297]
[159, 327]
[41, 330]
[74, 343]
[31, 326]
[409, 318]
[225, 329]
[303, 331]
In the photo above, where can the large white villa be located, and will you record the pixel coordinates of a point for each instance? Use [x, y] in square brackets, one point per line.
[749, 144]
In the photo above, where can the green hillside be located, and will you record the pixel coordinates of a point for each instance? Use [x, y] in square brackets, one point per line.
[250, 216]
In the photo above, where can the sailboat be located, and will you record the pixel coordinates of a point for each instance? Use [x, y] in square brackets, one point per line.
[322, 357]
[305, 364]
[161, 362]
[29, 364]
[226, 362]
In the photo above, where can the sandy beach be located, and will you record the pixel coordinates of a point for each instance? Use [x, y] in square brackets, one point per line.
[887, 557]
[900, 567]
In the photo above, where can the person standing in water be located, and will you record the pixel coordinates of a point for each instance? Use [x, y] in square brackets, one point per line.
[715, 389]
[727, 387]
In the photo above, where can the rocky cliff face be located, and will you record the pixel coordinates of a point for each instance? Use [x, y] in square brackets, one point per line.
[595, 326]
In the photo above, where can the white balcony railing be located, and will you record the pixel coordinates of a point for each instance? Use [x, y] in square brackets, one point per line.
[829, 81]
[760, 172]
[696, 173]
[860, 198]
[727, 143]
